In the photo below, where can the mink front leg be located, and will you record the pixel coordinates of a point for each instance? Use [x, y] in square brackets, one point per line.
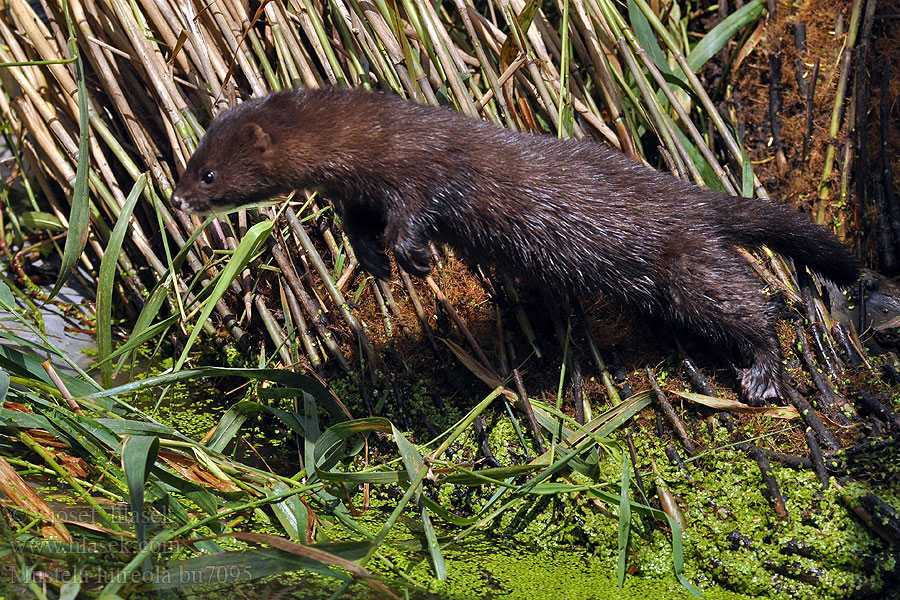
[370, 255]
[410, 245]
[363, 230]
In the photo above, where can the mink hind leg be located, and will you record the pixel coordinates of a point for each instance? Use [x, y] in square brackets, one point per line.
[713, 292]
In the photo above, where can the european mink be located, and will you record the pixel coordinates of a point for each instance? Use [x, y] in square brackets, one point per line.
[576, 215]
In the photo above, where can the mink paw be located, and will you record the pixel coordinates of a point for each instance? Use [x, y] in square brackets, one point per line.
[759, 384]
[371, 256]
[414, 259]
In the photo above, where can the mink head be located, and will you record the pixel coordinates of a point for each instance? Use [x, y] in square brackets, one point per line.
[233, 165]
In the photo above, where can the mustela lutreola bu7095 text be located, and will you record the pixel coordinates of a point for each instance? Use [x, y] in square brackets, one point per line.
[576, 215]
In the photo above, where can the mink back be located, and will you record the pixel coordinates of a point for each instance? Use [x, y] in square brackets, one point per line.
[573, 214]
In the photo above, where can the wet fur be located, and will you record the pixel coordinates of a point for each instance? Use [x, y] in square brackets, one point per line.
[576, 215]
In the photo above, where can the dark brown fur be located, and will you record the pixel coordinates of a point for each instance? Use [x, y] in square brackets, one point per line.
[578, 216]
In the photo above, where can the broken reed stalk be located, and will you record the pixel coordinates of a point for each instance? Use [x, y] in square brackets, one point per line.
[775, 108]
[671, 416]
[887, 174]
[799, 68]
[861, 98]
[810, 104]
[837, 111]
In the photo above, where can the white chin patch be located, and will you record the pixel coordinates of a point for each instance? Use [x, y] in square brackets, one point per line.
[195, 207]
[201, 211]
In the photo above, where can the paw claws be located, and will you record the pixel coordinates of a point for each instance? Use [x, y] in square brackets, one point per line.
[415, 260]
[759, 385]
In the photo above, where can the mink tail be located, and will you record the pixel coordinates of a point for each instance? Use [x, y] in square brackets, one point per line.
[791, 233]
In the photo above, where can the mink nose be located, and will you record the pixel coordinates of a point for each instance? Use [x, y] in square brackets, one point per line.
[179, 202]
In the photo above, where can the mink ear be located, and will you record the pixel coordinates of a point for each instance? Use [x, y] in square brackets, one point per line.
[258, 139]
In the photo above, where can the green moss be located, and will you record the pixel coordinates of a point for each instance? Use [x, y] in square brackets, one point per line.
[565, 545]
[733, 537]
[507, 571]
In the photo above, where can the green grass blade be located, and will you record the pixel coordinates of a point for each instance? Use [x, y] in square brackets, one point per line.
[107, 277]
[624, 521]
[414, 464]
[15, 419]
[482, 476]
[308, 384]
[148, 313]
[372, 477]
[136, 340]
[243, 565]
[69, 590]
[291, 513]
[7, 300]
[80, 214]
[747, 176]
[34, 220]
[330, 441]
[706, 171]
[254, 239]
[136, 427]
[643, 31]
[309, 420]
[142, 328]
[230, 424]
[29, 366]
[138, 455]
[678, 556]
[719, 35]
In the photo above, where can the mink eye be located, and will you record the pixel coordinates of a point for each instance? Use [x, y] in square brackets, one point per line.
[208, 177]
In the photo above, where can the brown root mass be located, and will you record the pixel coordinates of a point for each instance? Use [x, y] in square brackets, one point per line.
[826, 23]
